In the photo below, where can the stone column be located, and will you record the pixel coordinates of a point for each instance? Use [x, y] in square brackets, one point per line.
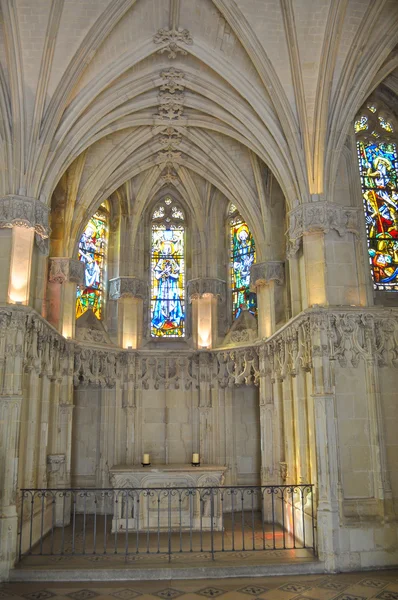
[64, 275]
[206, 296]
[12, 332]
[326, 445]
[28, 220]
[205, 409]
[132, 295]
[263, 278]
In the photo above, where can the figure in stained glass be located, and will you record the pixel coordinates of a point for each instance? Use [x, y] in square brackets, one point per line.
[242, 257]
[92, 252]
[379, 174]
[168, 272]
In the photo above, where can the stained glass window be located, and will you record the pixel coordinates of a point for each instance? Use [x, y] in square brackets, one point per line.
[168, 271]
[379, 178]
[93, 247]
[243, 255]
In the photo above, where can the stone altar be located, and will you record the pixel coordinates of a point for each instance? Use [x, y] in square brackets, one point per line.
[151, 504]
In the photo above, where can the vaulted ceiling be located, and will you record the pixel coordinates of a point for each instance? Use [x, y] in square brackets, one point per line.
[130, 96]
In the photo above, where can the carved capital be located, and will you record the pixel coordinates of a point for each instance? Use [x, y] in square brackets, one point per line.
[21, 211]
[172, 40]
[63, 270]
[134, 287]
[263, 273]
[319, 216]
[206, 285]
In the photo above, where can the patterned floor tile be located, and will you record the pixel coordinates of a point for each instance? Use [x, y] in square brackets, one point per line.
[126, 594]
[373, 583]
[83, 595]
[294, 588]
[347, 596]
[333, 585]
[387, 595]
[211, 592]
[168, 593]
[39, 595]
[253, 590]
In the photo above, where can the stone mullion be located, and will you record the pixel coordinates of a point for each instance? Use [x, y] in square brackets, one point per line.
[381, 482]
[289, 429]
[10, 414]
[43, 432]
[301, 426]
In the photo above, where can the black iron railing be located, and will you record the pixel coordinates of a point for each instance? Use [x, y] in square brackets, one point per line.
[166, 520]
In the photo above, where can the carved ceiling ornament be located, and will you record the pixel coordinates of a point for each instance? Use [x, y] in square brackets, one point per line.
[63, 270]
[319, 216]
[263, 273]
[21, 211]
[121, 287]
[172, 40]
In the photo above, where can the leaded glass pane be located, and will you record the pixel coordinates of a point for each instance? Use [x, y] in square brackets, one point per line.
[92, 252]
[379, 174]
[243, 255]
[168, 276]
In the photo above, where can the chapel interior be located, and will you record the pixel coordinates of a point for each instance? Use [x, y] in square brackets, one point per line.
[199, 263]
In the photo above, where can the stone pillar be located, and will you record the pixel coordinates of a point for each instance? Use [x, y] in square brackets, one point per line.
[263, 278]
[132, 295]
[326, 445]
[206, 295]
[64, 275]
[12, 333]
[313, 275]
[28, 219]
[205, 409]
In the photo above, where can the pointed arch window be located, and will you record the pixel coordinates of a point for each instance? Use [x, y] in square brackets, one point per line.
[168, 270]
[92, 251]
[243, 255]
[378, 166]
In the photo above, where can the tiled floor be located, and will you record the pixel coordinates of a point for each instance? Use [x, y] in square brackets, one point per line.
[381, 585]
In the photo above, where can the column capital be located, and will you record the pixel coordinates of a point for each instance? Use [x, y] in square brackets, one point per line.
[121, 287]
[207, 285]
[22, 211]
[319, 216]
[264, 272]
[64, 270]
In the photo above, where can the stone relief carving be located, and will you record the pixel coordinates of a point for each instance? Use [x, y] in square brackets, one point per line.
[173, 38]
[172, 81]
[21, 211]
[319, 216]
[271, 270]
[206, 285]
[120, 287]
[66, 269]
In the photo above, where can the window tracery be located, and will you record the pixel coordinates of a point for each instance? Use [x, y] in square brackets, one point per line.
[168, 270]
[378, 166]
[92, 251]
[243, 256]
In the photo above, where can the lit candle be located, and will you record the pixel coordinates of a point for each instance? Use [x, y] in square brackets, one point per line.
[145, 459]
[195, 458]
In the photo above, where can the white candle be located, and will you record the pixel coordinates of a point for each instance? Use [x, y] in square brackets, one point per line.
[145, 459]
[195, 458]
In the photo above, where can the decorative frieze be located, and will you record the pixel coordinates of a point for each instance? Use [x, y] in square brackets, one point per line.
[21, 211]
[319, 216]
[172, 40]
[64, 270]
[263, 273]
[121, 287]
[207, 285]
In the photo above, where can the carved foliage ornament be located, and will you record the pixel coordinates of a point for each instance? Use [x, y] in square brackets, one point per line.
[172, 40]
[127, 286]
[271, 270]
[21, 211]
[320, 216]
[198, 287]
[66, 269]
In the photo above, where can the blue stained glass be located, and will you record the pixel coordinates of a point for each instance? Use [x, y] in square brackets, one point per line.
[243, 255]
